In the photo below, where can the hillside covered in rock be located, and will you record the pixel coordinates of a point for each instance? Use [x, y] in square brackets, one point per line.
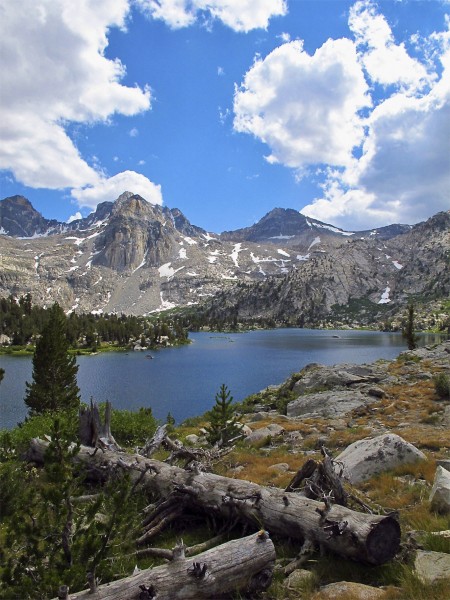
[133, 257]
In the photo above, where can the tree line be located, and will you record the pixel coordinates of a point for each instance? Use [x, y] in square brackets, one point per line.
[23, 322]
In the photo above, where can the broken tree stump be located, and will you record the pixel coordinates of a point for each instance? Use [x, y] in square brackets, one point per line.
[92, 431]
[244, 565]
[367, 538]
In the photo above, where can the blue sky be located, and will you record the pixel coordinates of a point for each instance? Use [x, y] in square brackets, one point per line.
[226, 109]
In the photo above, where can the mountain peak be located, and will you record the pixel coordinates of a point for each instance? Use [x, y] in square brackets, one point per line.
[19, 218]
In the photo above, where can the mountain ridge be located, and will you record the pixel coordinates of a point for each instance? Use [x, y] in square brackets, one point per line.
[134, 257]
[288, 222]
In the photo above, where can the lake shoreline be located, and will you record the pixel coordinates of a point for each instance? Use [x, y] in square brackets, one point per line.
[184, 379]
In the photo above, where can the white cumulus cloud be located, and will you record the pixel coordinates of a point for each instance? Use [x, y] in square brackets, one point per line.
[305, 108]
[387, 63]
[239, 15]
[108, 189]
[55, 72]
[371, 118]
[74, 217]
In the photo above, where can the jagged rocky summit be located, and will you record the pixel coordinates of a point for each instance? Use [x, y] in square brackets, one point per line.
[134, 257]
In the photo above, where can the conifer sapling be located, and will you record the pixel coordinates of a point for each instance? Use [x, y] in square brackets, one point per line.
[223, 424]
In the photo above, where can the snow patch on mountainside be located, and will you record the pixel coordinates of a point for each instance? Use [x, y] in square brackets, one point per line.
[334, 229]
[168, 271]
[385, 296]
[235, 253]
[190, 241]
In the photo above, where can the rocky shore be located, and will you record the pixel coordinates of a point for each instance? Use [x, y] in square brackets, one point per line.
[388, 430]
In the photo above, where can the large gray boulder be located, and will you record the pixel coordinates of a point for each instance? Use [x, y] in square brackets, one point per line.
[431, 566]
[327, 404]
[365, 458]
[440, 492]
[259, 436]
[319, 377]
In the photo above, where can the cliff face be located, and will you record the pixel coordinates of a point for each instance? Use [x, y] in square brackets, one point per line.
[134, 257]
[136, 234]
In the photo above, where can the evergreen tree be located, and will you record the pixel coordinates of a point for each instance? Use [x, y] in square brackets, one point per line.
[2, 373]
[223, 425]
[408, 331]
[54, 385]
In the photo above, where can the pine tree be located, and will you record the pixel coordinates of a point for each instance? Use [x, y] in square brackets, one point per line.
[2, 373]
[54, 386]
[223, 425]
[408, 331]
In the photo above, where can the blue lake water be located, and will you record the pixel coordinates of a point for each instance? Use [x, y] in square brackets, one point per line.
[184, 380]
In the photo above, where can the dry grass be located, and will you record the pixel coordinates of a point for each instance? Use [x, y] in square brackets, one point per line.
[412, 588]
[339, 440]
[257, 466]
[407, 489]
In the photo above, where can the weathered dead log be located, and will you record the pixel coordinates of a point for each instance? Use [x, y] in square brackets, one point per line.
[372, 539]
[323, 483]
[190, 551]
[244, 565]
[153, 444]
[195, 459]
[303, 473]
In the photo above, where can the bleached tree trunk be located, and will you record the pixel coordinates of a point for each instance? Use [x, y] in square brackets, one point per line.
[93, 432]
[243, 565]
[372, 539]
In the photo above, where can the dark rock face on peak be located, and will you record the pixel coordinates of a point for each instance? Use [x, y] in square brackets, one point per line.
[287, 226]
[102, 212]
[183, 225]
[18, 218]
[279, 223]
[387, 232]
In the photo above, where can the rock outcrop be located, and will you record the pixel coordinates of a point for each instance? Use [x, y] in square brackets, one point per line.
[329, 405]
[349, 589]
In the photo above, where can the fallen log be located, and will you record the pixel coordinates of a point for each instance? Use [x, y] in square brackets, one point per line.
[243, 566]
[368, 538]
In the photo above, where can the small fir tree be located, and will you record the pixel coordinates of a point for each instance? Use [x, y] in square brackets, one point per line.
[408, 331]
[54, 386]
[223, 425]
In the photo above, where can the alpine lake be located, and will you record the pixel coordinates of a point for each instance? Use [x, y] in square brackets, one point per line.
[184, 380]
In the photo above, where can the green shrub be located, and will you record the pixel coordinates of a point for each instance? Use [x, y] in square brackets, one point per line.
[442, 385]
[133, 428]
[17, 440]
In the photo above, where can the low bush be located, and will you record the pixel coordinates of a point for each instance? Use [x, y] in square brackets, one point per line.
[442, 385]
